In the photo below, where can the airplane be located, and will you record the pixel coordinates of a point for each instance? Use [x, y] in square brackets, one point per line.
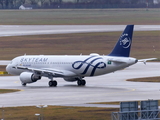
[32, 68]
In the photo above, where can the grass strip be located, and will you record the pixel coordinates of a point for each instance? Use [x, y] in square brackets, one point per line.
[57, 113]
[147, 79]
[8, 90]
[146, 44]
[80, 17]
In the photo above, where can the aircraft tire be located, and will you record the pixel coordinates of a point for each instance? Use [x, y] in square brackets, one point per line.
[52, 83]
[79, 82]
[24, 84]
[83, 82]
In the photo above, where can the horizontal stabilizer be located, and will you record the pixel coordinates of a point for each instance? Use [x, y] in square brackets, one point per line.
[145, 60]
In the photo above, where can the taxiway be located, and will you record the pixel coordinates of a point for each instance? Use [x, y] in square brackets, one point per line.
[109, 87]
[18, 30]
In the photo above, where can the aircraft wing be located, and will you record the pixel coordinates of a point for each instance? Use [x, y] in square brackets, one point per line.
[145, 60]
[48, 72]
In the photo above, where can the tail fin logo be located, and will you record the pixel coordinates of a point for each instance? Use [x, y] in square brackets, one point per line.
[125, 41]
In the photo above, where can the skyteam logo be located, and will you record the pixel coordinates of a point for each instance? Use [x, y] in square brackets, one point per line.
[90, 64]
[125, 41]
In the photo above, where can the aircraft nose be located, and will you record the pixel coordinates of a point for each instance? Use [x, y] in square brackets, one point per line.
[8, 68]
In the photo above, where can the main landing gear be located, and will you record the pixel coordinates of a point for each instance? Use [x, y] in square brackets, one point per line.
[52, 83]
[81, 82]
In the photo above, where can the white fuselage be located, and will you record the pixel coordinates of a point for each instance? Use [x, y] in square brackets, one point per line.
[72, 65]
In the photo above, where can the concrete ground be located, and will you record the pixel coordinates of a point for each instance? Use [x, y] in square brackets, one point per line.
[109, 87]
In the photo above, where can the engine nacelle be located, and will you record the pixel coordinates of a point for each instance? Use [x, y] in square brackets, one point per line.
[27, 77]
[70, 79]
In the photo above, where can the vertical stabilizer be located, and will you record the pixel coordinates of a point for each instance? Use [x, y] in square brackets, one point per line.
[123, 46]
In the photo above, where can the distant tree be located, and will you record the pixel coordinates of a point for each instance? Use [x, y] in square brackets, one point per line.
[6, 2]
[150, 1]
[41, 2]
[60, 1]
[106, 1]
[16, 3]
[22, 1]
[11, 4]
[1, 3]
[33, 2]
[134, 1]
[50, 2]
[77, 1]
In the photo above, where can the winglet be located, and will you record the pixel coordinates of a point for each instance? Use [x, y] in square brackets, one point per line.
[122, 48]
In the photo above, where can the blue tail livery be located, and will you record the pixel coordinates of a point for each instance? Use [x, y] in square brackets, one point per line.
[123, 46]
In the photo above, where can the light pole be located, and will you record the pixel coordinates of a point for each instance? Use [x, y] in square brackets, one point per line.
[37, 114]
[42, 114]
[2, 113]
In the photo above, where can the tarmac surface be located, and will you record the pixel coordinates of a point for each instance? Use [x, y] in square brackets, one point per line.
[106, 88]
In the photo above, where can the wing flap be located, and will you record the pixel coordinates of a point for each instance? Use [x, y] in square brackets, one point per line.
[48, 71]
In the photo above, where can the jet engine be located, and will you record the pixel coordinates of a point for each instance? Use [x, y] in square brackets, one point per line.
[27, 77]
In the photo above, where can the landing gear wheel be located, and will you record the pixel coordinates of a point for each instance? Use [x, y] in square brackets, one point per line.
[81, 82]
[52, 83]
[24, 84]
